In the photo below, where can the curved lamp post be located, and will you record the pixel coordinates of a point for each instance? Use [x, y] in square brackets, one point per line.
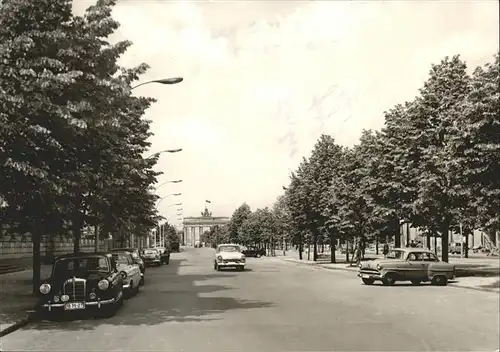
[164, 183]
[172, 194]
[164, 151]
[172, 80]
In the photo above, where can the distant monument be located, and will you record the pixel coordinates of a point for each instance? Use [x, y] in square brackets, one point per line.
[195, 226]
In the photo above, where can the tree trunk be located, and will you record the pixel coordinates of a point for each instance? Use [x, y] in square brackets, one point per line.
[466, 247]
[428, 240]
[347, 251]
[397, 234]
[376, 245]
[315, 247]
[301, 249]
[332, 249]
[77, 234]
[36, 240]
[308, 250]
[96, 244]
[435, 243]
[445, 234]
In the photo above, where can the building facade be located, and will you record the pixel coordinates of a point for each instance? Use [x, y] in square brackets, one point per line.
[195, 226]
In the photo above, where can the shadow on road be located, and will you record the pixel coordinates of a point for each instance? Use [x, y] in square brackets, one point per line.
[167, 297]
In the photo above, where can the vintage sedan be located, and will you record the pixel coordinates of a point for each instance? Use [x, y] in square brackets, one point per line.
[137, 259]
[83, 282]
[409, 264]
[229, 256]
[130, 271]
[164, 254]
[151, 256]
[254, 252]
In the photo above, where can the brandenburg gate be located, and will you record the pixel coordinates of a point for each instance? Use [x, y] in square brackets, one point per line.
[195, 226]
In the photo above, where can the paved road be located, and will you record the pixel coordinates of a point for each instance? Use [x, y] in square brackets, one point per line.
[275, 306]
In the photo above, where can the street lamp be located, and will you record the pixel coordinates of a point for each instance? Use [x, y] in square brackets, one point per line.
[180, 209]
[172, 194]
[164, 151]
[164, 183]
[172, 80]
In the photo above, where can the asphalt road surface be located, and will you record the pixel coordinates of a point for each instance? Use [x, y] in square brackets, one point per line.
[274, 306]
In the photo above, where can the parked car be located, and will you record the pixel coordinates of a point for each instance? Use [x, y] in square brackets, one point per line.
[176, 247]
[229, 256]
[409, 264]
[130, 271]
[164, 255]
[253, 252]
[89, 282]
[137, 259]
[151, 257]
[455, 248]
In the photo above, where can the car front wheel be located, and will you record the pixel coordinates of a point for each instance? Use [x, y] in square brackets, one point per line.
[368, 281]
[389, 279]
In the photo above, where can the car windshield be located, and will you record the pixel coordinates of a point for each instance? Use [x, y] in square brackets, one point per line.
[121, 258]
[229, 249]
[77, 265]
[150, 251]
[395, 254]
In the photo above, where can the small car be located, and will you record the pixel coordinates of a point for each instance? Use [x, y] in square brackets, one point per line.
[130, 271]
[137, 259]
[254, 252]
[164, 255]
[83, 282]
[151, 257]
[407, 264]
[229, 256]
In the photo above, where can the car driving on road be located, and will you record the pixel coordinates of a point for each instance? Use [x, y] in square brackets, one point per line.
[407, 264]
[229, 256]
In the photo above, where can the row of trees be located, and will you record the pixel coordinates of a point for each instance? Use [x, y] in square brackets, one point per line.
[172, 238]
[435, 164]
[71, 132]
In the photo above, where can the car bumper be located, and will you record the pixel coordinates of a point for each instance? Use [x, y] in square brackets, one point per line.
[60, 306]
[152, 262]
[370, 276]
[230, 264]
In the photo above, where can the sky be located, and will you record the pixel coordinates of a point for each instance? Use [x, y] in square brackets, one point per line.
[264, 79]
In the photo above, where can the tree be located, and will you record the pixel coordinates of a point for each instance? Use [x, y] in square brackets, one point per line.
[432, 129]
[35, 116]
[237, 219]
[321, 169]
[474, 150]
[283, 221]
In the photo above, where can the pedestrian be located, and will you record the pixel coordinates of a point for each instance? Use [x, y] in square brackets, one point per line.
[385, 250]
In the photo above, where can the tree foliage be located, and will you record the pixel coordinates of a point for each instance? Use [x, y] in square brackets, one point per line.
[72, 135]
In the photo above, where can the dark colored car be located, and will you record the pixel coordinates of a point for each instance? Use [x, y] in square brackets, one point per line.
[83, 282]
[151, 256]
[164, 255]
[176, 247]
[136, 255]
[254, 252]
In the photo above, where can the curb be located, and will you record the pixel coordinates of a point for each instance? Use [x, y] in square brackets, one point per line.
[482, 289]
[18, 324]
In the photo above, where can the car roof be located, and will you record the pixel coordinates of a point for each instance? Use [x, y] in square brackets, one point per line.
[83, 255]
[228, 244]
[128, 249]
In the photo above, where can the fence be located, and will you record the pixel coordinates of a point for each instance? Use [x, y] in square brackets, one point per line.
[21, 246]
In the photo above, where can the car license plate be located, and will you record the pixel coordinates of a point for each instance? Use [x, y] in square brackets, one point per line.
[74, 306]
[364, 276]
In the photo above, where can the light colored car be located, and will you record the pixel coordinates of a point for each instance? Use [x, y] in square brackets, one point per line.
[407, 264]
[229, 256]
[151, 256]
[131, 272]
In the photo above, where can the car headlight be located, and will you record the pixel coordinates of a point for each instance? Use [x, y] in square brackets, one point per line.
[242, 258]
[56, 299]
[123, 274]
[379, 267]
[103, 285]
[44, 289]
[65, 298]
[219, 257]
[360, 266]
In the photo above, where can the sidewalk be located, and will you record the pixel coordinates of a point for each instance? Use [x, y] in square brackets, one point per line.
[16, 298]
[490, 284]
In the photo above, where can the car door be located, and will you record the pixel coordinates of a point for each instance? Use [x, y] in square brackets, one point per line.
[428, 259]
[415, 266]
[133, 271]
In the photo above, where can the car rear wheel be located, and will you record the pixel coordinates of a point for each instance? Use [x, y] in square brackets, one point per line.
[368, 281]
[389, 279]
[258, 256]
